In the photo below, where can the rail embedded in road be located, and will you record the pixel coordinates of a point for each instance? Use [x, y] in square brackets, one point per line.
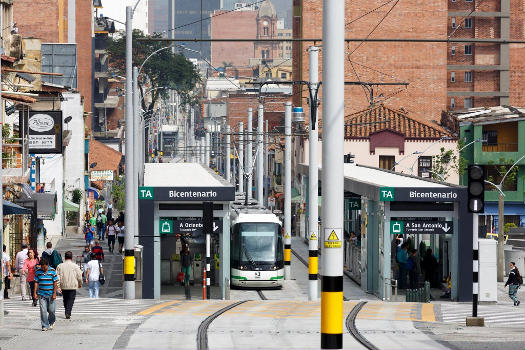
[350, 325]
[202, 332]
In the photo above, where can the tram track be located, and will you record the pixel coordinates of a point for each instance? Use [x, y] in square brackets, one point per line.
[261, 295]
[350, 325]
[305, 263]
[202, 331]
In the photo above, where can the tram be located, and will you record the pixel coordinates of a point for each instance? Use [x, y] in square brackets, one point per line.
[256, 250]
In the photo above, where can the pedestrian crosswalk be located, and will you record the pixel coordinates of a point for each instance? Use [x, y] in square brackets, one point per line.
[109, 307]
[499, 314]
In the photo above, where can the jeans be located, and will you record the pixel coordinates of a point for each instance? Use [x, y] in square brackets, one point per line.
[101, 232]
[69, 299]
[402, 275]
[186, 270]
[6, 287]
[32, 290]
[47, 310]
[93, 288]
[513, 290]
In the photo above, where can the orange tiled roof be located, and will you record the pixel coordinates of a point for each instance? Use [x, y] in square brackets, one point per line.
[106, 157]
[379, 118]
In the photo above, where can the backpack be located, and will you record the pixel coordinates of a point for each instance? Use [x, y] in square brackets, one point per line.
[99, 219]
[54, 259]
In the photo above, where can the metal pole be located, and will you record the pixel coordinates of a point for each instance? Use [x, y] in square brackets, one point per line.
[260, 155]
[248, 166]
[136, 147]
[207, 149]
[227, 155]
[333, 174]
[241, 157]
[475, 265]
[287, 190]
[129, 254]
[265, 177]
[500, 264]
[1, 206]
[313, 174]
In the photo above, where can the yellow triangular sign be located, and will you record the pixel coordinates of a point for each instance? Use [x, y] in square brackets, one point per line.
[287, 236]
[313, 237]
[333, 236]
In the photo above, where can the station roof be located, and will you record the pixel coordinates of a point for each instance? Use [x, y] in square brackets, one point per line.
[181, 175]
[366, 181]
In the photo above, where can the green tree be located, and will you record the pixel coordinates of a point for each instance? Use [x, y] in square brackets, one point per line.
[163, 69]
[497, 171]
[447, 162]
[118, 193]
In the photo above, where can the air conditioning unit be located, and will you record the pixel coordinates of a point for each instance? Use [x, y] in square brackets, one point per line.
[16, 46]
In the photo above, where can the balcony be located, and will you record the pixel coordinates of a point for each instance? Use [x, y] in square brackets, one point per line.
[500, 147]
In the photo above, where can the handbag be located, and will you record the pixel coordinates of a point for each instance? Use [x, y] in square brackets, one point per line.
[101, 277]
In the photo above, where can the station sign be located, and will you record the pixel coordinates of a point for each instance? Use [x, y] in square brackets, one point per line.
[188, 194]
[354, 203]
[187, 226]
[421, 194]
[399, 227]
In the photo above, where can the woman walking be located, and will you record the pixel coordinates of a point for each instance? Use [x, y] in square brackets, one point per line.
[514, 281]
[29, 271]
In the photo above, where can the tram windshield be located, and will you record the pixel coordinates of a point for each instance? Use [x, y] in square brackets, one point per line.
[256, 243]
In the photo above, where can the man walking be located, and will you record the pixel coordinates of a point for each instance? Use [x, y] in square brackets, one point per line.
[46, 291]
[52, 256]
[69, 280]
[20, 259]
[98, 251]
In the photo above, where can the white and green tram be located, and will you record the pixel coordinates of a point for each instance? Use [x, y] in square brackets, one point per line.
[256, 250]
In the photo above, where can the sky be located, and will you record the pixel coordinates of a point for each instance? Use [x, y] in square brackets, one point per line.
[116, 9]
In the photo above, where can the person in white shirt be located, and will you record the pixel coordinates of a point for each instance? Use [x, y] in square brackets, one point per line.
[20, 259]
[93, 271]
[120, 235]
[112, 231]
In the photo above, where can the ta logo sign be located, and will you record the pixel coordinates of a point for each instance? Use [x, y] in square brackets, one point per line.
[145, 192]
[386, 194]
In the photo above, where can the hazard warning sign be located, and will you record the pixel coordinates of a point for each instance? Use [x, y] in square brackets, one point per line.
[332, 237]
[313, 237]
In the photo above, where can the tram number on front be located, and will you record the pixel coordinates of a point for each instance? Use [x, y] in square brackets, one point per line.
[257, 274]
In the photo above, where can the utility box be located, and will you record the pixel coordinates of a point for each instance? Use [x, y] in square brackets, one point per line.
[488, 280]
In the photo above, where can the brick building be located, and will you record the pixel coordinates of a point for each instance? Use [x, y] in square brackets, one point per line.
[484, 74]
[62, 21]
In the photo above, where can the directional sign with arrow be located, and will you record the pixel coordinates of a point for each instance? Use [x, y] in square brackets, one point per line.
[413, 227]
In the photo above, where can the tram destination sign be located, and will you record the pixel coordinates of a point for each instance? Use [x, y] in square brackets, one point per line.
[188, 194]
[188, 226]
[421, 194]
[415, 227]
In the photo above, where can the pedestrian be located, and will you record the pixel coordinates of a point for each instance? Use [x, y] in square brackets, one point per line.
[98, 251]
[6, 270]
[86, 255]
[93, 221]
[112, 232]
[120, 236]
[186, 269]
[402, 259]
[21, 257]
[101, 224]
[89, 233]
[30, 266]
[110, 211]
[93, 271]
[52, 255]
[413, 269]
[430, 266]
[69, 280]
[514, 282]
[46, 292]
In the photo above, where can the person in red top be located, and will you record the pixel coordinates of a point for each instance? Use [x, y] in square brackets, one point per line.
[29, 271]
[98, 251]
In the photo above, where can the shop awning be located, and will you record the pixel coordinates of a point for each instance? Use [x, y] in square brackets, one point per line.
[70, 206]
[94, 190]
[45, 202]
[14, 209]
[491, 208]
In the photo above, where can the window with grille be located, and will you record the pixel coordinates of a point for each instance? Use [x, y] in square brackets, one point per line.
[468, 77]
[452, 77]
[468, 49]
[387, 162]
[453, 50]
[467, 102]
[468, 23]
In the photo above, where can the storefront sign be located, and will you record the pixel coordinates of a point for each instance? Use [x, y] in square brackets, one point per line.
[101, 175]
[188, 194]
[420, 227]
[45, 132]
